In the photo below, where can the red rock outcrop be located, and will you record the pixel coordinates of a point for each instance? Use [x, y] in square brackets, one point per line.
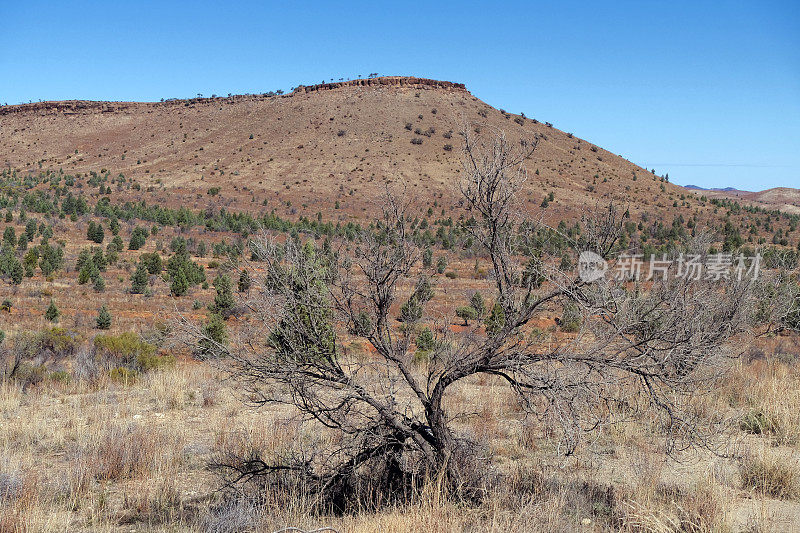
[395, 81]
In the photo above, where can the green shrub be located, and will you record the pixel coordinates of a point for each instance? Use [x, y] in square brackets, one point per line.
[427, 257]
[570, 321]
[58, 341]
[124, 346]
[129, 350]
[223, 299]
[179, 284]
[153, 262]
[421, 357]
[757, 422]
[425, 340]
[147, 362]
[123, 375]
[60, 376]
[244, 281]
[28, 374]
[466, 313]
[411, 311]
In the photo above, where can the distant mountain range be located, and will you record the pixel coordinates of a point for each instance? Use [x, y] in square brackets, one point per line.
[726, 189]
[784, 199]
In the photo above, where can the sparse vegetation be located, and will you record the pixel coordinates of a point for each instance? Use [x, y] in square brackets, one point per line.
[115, 423]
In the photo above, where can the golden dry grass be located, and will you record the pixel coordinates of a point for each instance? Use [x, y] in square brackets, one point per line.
[110, 457]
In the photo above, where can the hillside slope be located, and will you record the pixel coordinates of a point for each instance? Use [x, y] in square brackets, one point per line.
[319, 145]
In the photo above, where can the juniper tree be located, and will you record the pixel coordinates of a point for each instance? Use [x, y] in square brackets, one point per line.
[99, 260]
[30, 229]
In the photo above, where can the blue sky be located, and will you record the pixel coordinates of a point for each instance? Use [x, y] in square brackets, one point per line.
[708, 92]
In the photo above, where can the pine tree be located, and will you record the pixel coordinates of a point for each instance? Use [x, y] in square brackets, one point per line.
[215, 336]
[103, 318]
[223, 300]
[84, 257]
[244, 281]
[138, 238]
[99, 284]
[478, 304]
[87, 272]
[427, 257]
[9, 238]
[30, 229]
[116, 244]
[441, 264]
[139, 279]
[52, 314]
[496, 319]
[99, 260]
[16, 271]
[95, 232]
[179, 284]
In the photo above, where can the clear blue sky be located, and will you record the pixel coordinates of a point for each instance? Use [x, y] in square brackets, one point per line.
[706, 91]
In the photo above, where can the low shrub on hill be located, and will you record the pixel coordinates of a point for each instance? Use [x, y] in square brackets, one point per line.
[129, 350]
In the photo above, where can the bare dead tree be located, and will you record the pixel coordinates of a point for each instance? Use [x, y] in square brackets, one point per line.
[640, 347]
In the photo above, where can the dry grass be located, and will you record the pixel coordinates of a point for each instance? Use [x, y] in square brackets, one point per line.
[109, 457]
[771, 474]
